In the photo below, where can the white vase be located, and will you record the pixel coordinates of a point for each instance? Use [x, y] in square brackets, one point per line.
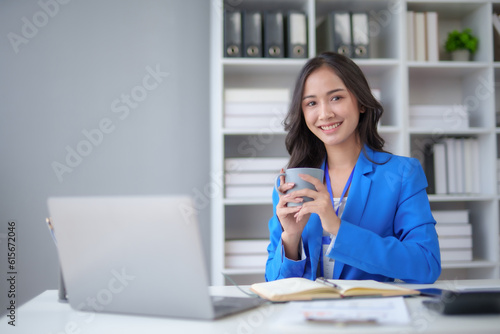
[460, 55]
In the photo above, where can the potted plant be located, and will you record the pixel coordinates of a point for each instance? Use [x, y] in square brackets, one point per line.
[462, 44]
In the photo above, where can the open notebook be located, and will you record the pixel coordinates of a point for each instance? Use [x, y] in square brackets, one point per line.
[298, 288]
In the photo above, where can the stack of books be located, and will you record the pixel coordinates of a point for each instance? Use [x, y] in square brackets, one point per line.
[422, 36]
[442, 117]
[246, 254]
[455, 234]
[452, 166]
[253, 108]
[251, 177]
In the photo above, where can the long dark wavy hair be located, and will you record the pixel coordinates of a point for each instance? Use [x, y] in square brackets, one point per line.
[305, 149]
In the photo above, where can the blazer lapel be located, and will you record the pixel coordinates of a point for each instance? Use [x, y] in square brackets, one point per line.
[360, 188]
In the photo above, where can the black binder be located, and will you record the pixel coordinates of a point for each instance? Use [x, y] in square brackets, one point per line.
[334, 33]
[252, 34]
[232, 34]
[274, 35]
[360, 35]
[296, 35]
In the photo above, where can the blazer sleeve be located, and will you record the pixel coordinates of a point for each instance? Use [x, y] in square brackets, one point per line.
[410, 251]
[278, 265]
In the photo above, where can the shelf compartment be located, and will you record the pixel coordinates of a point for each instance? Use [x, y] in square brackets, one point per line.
[455, 85]
[383, 22]
[487, 166]
[459, 15]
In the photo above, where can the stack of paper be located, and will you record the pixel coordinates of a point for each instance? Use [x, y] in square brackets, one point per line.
[422, 36]
[251, 177]
[439, 117]
[455, 234]
[246, 254]
[258, 109]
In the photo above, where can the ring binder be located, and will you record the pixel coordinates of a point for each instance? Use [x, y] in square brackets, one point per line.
[360, 34]
[273, 35]
[296, 31]
[334, 33]
[232, 33]
[252, 34]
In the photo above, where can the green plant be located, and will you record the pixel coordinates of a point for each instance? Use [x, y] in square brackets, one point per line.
[461, 40]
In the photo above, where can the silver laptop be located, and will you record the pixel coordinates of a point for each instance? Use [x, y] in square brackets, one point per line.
[136, 255]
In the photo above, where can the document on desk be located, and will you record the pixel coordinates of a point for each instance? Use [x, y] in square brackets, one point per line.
[383, 311]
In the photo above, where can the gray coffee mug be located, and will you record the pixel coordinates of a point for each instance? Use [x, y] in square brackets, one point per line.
[292, 175]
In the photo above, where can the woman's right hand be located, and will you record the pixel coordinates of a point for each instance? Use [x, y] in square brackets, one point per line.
[292, 229]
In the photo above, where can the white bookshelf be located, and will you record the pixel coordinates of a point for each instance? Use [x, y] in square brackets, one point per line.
[401, 83]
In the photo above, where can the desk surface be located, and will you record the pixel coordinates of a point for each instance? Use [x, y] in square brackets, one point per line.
[44, 314]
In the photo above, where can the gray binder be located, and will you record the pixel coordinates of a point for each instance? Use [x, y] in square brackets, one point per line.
[274, 35]
[360, 35]
[334, 33]
[232, 34]
[296, 28]
[252, 34]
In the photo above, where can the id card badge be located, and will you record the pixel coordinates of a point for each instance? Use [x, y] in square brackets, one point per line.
[328, 263]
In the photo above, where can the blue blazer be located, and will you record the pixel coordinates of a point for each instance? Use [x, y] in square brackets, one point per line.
[387, 230]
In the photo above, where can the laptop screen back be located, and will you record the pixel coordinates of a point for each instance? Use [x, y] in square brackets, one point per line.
[136, 255]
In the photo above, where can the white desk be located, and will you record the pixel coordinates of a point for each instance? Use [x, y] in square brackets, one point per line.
[45, 315]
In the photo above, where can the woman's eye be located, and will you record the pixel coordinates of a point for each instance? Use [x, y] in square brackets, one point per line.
[336, 98]
[311, 103]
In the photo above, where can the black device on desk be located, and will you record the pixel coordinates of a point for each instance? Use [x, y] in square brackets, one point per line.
[465, 302]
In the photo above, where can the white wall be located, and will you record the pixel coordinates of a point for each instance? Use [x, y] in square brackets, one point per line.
[66, 67]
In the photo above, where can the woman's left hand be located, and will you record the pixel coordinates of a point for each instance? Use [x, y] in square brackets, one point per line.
[321, 204]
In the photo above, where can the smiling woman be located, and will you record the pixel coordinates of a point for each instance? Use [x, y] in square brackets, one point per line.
[382, 228]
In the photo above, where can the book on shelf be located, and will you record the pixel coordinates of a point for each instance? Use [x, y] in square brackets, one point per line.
[246, 246]
[299, 288]
[496, 36]
[255, 164]
[451, 216]
[455, 242]
[431, 34]
[449, 255]
[269, 123]
[245, 261]
[439, 173]
[451, 166]
[420, 42]
[255, 109]
[453, 230]
[410, 35]
[243, 191]
[445, 117]
[250, 178]
[422, 36]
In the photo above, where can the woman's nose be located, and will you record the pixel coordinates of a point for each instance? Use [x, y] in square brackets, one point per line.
[326, 111]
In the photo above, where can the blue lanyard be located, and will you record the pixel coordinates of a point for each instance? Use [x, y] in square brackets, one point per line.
[327, 239]
[329, 186]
